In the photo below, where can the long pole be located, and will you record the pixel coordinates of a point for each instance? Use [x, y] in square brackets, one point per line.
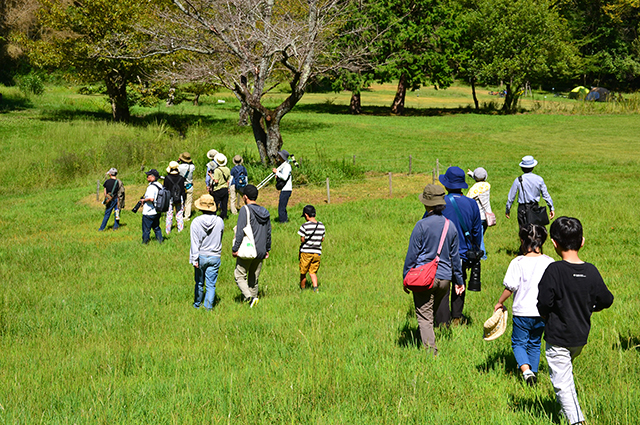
[328, 192]
[390, 187]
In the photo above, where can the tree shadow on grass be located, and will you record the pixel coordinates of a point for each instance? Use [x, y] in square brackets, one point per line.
[385, 111]
[538, 405]
[10, 103]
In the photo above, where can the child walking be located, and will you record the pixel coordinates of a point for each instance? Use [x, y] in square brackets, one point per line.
[311, 238]
[569, 291]
[522, 278]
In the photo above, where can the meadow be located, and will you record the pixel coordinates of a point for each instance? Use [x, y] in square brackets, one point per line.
[97, 328]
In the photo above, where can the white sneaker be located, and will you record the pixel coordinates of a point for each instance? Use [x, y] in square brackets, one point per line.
[254, 301]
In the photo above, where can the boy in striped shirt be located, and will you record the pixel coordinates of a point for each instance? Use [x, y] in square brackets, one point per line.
[311, 237]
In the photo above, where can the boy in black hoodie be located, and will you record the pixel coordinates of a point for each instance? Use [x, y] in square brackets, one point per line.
[569, 291]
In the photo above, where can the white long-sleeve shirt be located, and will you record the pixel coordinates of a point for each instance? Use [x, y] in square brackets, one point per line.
[284, 172]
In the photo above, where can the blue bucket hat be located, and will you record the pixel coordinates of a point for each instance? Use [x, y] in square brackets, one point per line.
[453, 178]
[528, 162]
[284, 155]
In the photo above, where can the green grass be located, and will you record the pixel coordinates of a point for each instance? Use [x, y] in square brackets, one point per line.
[96, 328]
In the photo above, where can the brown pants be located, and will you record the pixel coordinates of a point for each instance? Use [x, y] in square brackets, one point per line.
[426, 304]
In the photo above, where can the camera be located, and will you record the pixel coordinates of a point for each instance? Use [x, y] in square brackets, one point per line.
[137, 207]
[474, 257]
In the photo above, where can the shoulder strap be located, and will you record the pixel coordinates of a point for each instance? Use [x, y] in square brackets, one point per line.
[443, 236]
[524, 196]
[113, 189]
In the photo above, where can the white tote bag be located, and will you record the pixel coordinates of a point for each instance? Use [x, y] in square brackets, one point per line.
[247, 248]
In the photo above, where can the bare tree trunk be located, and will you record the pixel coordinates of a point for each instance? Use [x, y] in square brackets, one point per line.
[259, 134]
[196, 100]
[398, 102]
[355, 106]
[473, 91]
[243, 119]
[116, 85]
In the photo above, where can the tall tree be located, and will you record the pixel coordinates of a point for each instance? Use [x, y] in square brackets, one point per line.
[515, 41]
[80, 36]
[252, 46]
[607, 35]
[419, 46]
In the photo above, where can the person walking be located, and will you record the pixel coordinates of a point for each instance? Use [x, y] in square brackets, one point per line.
[186, 170]
[239, 179]
[481, 193]
[284, 184]
[311, 234]
[247, 271]
[174, 183]
[528, 187]
[521, 280]
[111, 190]
[423, 247]
[151, 217]
[220, 184]
[206, 250]
[465, 215]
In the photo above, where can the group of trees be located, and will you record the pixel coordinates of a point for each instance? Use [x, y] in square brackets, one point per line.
[253, 46]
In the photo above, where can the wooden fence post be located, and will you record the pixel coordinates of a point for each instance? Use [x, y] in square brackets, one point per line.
[98, 191]
[354, 160]
[410, 160]
[433, 176]
[390, 187]
[328, 193]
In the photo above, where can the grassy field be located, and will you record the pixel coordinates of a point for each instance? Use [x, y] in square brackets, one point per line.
[96, 328]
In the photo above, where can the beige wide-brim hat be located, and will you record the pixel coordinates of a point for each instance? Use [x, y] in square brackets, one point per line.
[185, 157]
[212, 154]
[237, 159]
[495, 325]
[173, 167]
[205, 203]
[220, 159]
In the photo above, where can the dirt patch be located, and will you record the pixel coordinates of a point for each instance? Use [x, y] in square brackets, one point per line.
[371, 186]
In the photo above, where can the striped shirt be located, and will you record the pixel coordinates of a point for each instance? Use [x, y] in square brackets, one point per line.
[313, 233]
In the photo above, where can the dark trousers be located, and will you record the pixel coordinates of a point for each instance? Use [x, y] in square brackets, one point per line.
[151, 222]
[221, 198]
[444, 314]
[282, 206]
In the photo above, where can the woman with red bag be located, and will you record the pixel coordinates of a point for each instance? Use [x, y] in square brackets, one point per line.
[423, 248]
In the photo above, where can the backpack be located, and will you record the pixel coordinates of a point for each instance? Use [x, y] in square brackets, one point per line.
[163, 199]
[242, 181]
[176, 191]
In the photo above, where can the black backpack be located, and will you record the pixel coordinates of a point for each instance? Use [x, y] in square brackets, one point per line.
[176, 191]
[161, 204]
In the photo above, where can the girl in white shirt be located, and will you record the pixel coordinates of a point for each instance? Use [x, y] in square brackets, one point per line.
[522, 278]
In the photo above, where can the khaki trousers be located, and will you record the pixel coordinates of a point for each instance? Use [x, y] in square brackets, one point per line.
[246, 274]
[187, 204]
[426, 304]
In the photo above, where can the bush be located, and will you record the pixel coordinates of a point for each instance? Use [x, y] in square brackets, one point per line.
[31, 83]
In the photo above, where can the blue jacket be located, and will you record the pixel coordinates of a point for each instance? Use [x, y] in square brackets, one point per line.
[236, 171]
[471, 216]
[423, 247]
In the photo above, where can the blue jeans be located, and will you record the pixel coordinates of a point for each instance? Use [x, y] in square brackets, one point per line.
[207, 271]
[110, 207]
[525, 340]
[282, 206]
[151, 222]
